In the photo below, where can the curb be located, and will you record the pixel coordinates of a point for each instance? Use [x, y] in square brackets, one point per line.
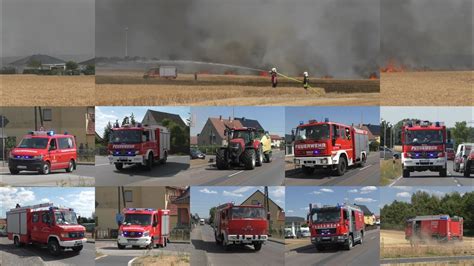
[276, 240]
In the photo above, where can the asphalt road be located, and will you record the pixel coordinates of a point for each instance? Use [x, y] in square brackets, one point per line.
[206, 252]
[270, 174]
[366, 254]
[36, 255]
[355, 176]
[170, 174]
[82, 176]
[113, 260]
[428, 178]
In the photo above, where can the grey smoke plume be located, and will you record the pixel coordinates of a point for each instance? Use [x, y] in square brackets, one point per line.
[325, 37]
[433, 34]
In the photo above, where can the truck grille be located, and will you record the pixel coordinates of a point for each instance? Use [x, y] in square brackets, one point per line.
[124, 153]
[76, 234]
[132, 234]
[424, 155]
[326, 231]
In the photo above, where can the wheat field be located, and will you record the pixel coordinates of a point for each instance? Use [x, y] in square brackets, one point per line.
[446, 88]
[34, 90]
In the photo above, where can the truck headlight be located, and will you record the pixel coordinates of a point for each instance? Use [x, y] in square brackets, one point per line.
[39, 157]
[120, 232]
[146, 233]
[64, 235]
[297, 161]
[137, 152]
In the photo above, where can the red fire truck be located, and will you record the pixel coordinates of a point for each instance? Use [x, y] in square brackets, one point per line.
[144, 227]
[46, 224]
[424, 147]
[138, 145]
[340, 225]
[240, 225]
[437, 227]
[329, 145]
[44, 151]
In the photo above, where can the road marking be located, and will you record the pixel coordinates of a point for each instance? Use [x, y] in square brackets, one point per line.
[457, 182]
[396, 180]
[365, 167]
[102, 164]
[130, 263]
[101, 256]
[236, 173]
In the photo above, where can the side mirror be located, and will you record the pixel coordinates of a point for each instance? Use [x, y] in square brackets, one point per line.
[155, 224]
[119, 223]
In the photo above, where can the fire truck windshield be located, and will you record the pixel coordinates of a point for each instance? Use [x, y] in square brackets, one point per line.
[331, 215]
[318, 132]
[126, 136]
[137, 219]
[65, 217]
[34, 143]
[247, 213]
[414, 137]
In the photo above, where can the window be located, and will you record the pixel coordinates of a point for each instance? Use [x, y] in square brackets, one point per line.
[128, 196]
[65, 143]
[52, 145]
[45, 218]
[147, 135]
[35, 217]
[47, 114]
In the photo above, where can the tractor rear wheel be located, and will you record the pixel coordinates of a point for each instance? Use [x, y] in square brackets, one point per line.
[248, 158]
[221, 159]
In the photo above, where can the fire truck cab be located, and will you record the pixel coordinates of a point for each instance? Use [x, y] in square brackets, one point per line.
[44, 151]
[46, 224]
[144, 227]
[437, 227]
[424, 147]
[329, 145]
[240, 225]
[340, 225]
[138, 145]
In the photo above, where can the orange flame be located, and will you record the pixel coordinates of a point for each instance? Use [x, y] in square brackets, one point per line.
[373, 76]
[392, 66]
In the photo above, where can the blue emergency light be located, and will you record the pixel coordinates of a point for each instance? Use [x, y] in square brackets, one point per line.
[326, 119]
[301, 123]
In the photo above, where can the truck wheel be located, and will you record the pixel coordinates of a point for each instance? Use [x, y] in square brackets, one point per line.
[149, 162]
[259, 161]
[70, 167]
[467, 170]
[120, 246]
[257, 246]
[45, 168]
[443, 172]
[16, 242]
[320, 247]
[406, 173]
[165, 158]
[53, 247]
[221, 160]
[341, 166]
[14, 171]
[248, 158]
[152, 244]
[363, 161]
[119, 166]
[77, 249]
[349, 244]
[308, 170]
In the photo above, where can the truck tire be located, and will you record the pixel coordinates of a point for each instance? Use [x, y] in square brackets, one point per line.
[45, 168]
[70, 166]
[221, 159]
[363, 161]
[53, 247]
[308, 170]
[467, 170]
[406, 173]
[152, 244]
[120, 246]
[14, 171]
[341, 166]
[350, 243]
[149, 162]
[257, 246]
[77, 249]
[249, 160]
[443, 172]
[320, 247]
[119, 166]
[165, 158]
[259, 156]
[16, 242]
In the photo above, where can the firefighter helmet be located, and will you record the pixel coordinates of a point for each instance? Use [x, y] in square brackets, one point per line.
[274, 69]
[305, 74]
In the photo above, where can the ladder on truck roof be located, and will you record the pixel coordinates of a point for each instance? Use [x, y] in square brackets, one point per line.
[37, 206]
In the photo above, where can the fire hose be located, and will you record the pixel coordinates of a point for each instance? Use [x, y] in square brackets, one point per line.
[293, 79]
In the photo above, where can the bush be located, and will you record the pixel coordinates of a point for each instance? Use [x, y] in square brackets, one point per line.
[8, 70]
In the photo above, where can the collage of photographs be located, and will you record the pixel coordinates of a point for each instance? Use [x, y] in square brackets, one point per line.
[231, 132]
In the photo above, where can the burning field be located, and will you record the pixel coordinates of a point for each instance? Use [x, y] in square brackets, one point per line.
[229, 89]
[445, 88]
[394, 245]
[29, 90]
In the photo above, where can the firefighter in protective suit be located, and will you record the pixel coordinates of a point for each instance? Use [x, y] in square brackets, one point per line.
[274, 79]
[267, 147]
[305, 80]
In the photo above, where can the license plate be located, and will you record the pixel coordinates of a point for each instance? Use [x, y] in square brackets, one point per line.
[21, 167]
[326, 238]
[424, 161]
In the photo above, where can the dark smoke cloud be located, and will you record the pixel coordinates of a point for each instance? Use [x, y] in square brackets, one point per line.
[324, 37]
[433, 34]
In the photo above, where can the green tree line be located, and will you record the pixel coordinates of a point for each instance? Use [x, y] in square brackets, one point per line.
[394, 215]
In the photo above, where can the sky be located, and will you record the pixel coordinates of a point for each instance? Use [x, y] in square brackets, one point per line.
[271, 118]
[204, 198]
[104, 114]
[342, 114]
[53, 27]
[298, 198]
[82, 200]
[448, 115]
[403, 193]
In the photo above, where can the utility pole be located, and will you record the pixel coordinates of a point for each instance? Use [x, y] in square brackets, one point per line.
[126, 42]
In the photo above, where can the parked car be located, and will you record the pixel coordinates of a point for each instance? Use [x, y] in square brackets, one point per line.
[289, 233]
[197, 154]
[303, 232]
[450, 153]
[389, 154]
[3, 231]
[202, 221]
